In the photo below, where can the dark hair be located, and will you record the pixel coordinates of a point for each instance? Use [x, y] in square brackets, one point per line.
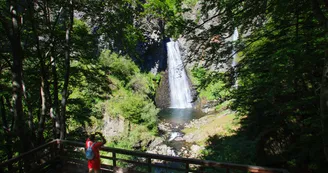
[92, 137]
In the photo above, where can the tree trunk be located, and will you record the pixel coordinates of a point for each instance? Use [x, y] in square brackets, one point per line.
[54, 110]
[30, 116]
[67, 72]
[44, 85]
[13, 33]
[17, 69]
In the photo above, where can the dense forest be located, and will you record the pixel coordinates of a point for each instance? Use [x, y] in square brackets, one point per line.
[68, 65]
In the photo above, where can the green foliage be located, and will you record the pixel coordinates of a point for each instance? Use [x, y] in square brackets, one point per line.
[145, 84]
[134, 107]
[131, 97]
[119, 66]
[190, 3]
[279, 78]
[208, 88]
[117, 23]
[47, 41]
[236, 148]
[140, 135]
[84, 41]
[129, 140]
[169, 12]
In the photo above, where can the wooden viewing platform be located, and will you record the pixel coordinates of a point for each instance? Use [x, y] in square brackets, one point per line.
[68, 157]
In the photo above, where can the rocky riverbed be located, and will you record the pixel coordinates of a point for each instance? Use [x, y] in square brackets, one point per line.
[173, 143]
[189, 139]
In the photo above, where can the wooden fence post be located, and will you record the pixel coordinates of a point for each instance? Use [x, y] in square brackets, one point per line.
[114, 159]
[149, 164]
[187, 167]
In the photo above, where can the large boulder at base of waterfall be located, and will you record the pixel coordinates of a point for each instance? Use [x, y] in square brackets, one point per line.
[162, 98]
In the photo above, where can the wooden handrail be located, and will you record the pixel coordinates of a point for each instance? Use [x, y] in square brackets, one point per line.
[206, 163]
[15, 159]
[149, 157]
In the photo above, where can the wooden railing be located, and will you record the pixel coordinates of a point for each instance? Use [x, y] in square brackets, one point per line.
[34, 160]
[72, 152]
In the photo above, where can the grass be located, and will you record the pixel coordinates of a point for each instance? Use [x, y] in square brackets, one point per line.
[223, 106]
[222, 124]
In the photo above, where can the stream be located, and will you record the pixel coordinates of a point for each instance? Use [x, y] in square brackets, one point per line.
[174, 121]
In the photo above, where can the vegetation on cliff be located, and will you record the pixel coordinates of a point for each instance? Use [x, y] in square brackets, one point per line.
[281, 75]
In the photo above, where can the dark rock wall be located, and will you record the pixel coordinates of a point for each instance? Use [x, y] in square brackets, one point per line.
[155, 58]
[162, 98]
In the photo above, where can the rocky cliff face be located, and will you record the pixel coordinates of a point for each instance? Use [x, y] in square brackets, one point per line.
[154, 57]
[152, 50]
[162, 98]
[113, 126]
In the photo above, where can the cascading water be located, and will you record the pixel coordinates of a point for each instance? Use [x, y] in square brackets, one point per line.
[234, 38]
[234, 60]
[178, 80]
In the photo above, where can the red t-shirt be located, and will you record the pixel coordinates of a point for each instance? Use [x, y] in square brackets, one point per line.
[95, 162]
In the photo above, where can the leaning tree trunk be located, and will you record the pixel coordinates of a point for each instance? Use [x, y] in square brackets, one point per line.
[67, 72]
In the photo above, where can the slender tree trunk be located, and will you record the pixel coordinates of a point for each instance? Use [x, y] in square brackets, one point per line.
[29, 108]
[30, 124]
[44, 85]
[54, 110]
[67, 71]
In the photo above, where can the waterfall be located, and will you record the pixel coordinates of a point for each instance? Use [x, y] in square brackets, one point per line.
[234, 38]
[234, 60]
[178, 80]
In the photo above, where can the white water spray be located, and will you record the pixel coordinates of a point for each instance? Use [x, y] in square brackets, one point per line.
[234, 38]
[234, 60]
[174, 135]
[178, 80]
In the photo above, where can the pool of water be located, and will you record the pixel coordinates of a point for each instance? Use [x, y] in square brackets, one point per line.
[179, 116]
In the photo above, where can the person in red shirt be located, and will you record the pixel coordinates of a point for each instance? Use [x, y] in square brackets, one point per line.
[94, 164]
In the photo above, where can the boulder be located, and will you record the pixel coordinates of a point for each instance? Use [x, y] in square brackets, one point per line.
[162, 98]
[157, 141]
